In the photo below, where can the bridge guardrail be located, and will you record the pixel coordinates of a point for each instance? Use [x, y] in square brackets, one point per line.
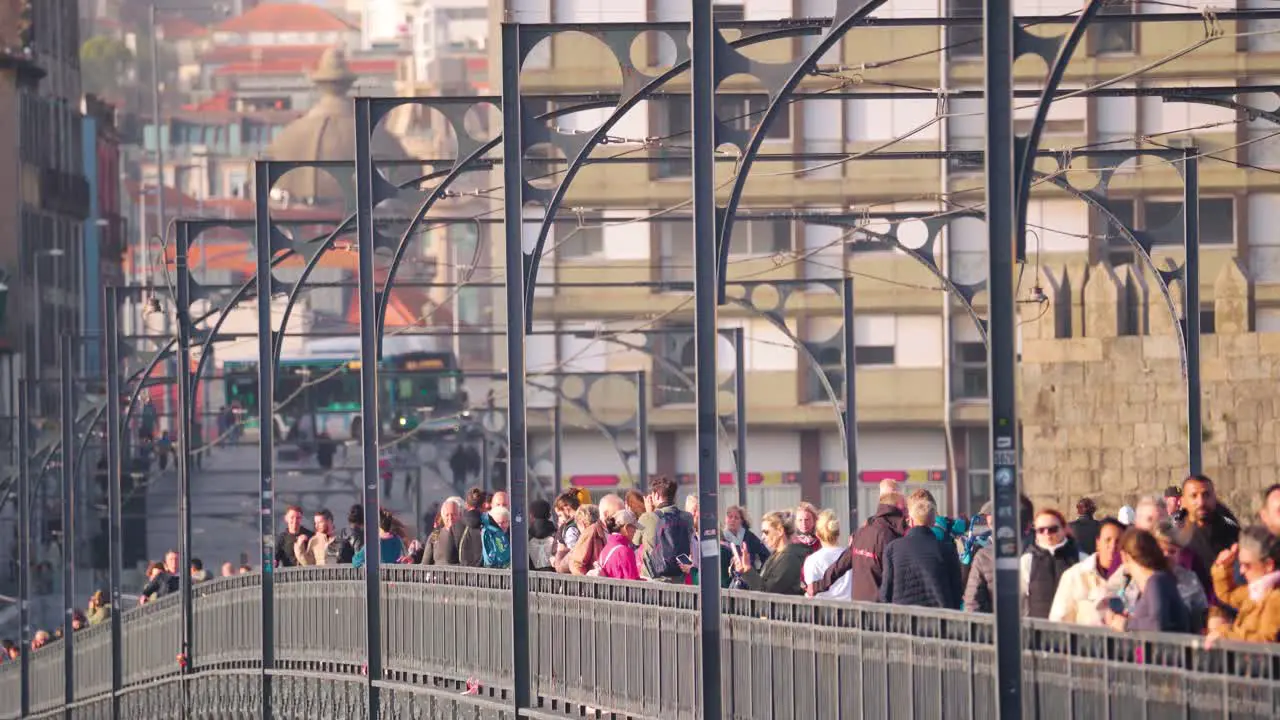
[630, 648]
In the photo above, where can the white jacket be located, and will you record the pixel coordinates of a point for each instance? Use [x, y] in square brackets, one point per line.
[1079, 590]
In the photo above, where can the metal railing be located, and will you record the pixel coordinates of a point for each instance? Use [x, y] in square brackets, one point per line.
[629, 649]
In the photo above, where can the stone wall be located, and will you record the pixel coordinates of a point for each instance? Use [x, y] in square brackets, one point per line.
[1103, 395]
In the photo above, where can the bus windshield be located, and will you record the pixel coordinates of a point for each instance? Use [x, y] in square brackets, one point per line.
[413, 385]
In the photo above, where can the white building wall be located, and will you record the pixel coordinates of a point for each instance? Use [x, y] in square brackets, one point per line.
[919, 341]
[888, 450]
[767, 451]
[1264, 242]
[588, 452]
[625, 241]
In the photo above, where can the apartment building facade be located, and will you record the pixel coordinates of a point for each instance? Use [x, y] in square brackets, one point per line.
[45, 194]
[922, 375]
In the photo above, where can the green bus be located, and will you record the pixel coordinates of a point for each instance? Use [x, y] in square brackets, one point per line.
[318, 389]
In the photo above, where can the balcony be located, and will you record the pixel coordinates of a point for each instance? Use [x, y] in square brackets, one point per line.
[64, 193]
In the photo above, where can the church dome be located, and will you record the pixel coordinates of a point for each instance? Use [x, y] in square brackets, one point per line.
[326, 132]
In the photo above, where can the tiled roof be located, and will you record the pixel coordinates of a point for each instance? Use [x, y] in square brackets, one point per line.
[294, 66]
[244, 53]
[285, 17]
[178, 28]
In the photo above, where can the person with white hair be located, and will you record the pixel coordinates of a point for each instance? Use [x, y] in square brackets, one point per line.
[1149, 511]
[1125, 516]
[919, 570]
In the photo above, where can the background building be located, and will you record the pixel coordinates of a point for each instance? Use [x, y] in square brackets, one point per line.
[45, 196]
[922, 368]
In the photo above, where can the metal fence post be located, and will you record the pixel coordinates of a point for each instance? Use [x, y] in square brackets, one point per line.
[1191, 307]
[740, 413]
[370, 427]
[266, 424]
[24, 542]
[642, 431]
[997, 33]
[517, 432]
[706, 338]
[68, 422]
[115, 460]
[850, 356]
[182, 278]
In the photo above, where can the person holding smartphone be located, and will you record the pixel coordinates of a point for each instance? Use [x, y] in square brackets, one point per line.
[1158, 606]
[783, 571]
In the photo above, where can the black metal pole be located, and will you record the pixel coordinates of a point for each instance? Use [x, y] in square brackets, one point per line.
[182, 278]
[642, 431]
[266, 425]
[740, 413]
[68, 423]
[517, 432]
[557, 443]
[1191, 307]
[370, 428]
[706, 337]
[24, 543]
[1003, 367]
[115, 555]
[850, 356]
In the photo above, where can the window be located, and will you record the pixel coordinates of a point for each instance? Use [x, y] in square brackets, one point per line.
[761, 237]
[977, 446]
[1119, 250]
[964, 42]
[728, 12]
[675, 345]
[966, 130]
[744, 113]
[1217, 221]
[1208, 320]
[580, 238]
[889, 118]
[875, 340]
[1107, 38]
[675, 247]
[672, 121]
[969, 371]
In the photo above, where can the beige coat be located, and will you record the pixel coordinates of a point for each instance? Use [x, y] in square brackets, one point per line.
[1079, 591]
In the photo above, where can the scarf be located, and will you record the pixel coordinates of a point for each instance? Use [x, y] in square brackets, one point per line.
[1258, 589]
[737, 538]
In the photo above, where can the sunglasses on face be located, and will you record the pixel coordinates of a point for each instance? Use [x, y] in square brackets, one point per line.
[1049, 529]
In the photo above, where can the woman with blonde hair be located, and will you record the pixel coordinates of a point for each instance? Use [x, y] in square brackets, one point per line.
[783, 571]
[815, 566]
[805, 520]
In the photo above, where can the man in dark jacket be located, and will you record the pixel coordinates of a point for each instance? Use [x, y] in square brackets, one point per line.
[470, 536]
[919, 570]
[288, 540]
[343, 549]
[865, 555]
[1085, 527]
[1209, 528]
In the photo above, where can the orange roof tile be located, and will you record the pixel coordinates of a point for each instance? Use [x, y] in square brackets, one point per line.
[243, 53]
[179, 28]
[285, 17]
[294, 66]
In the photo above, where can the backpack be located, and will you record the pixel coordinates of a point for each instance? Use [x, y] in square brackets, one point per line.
[672, 538]
[496, 548]
[541, 553]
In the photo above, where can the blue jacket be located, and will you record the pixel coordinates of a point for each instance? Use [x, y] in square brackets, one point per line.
[919, 570]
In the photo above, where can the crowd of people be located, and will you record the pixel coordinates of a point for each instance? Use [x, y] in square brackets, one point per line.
[1181, 562]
